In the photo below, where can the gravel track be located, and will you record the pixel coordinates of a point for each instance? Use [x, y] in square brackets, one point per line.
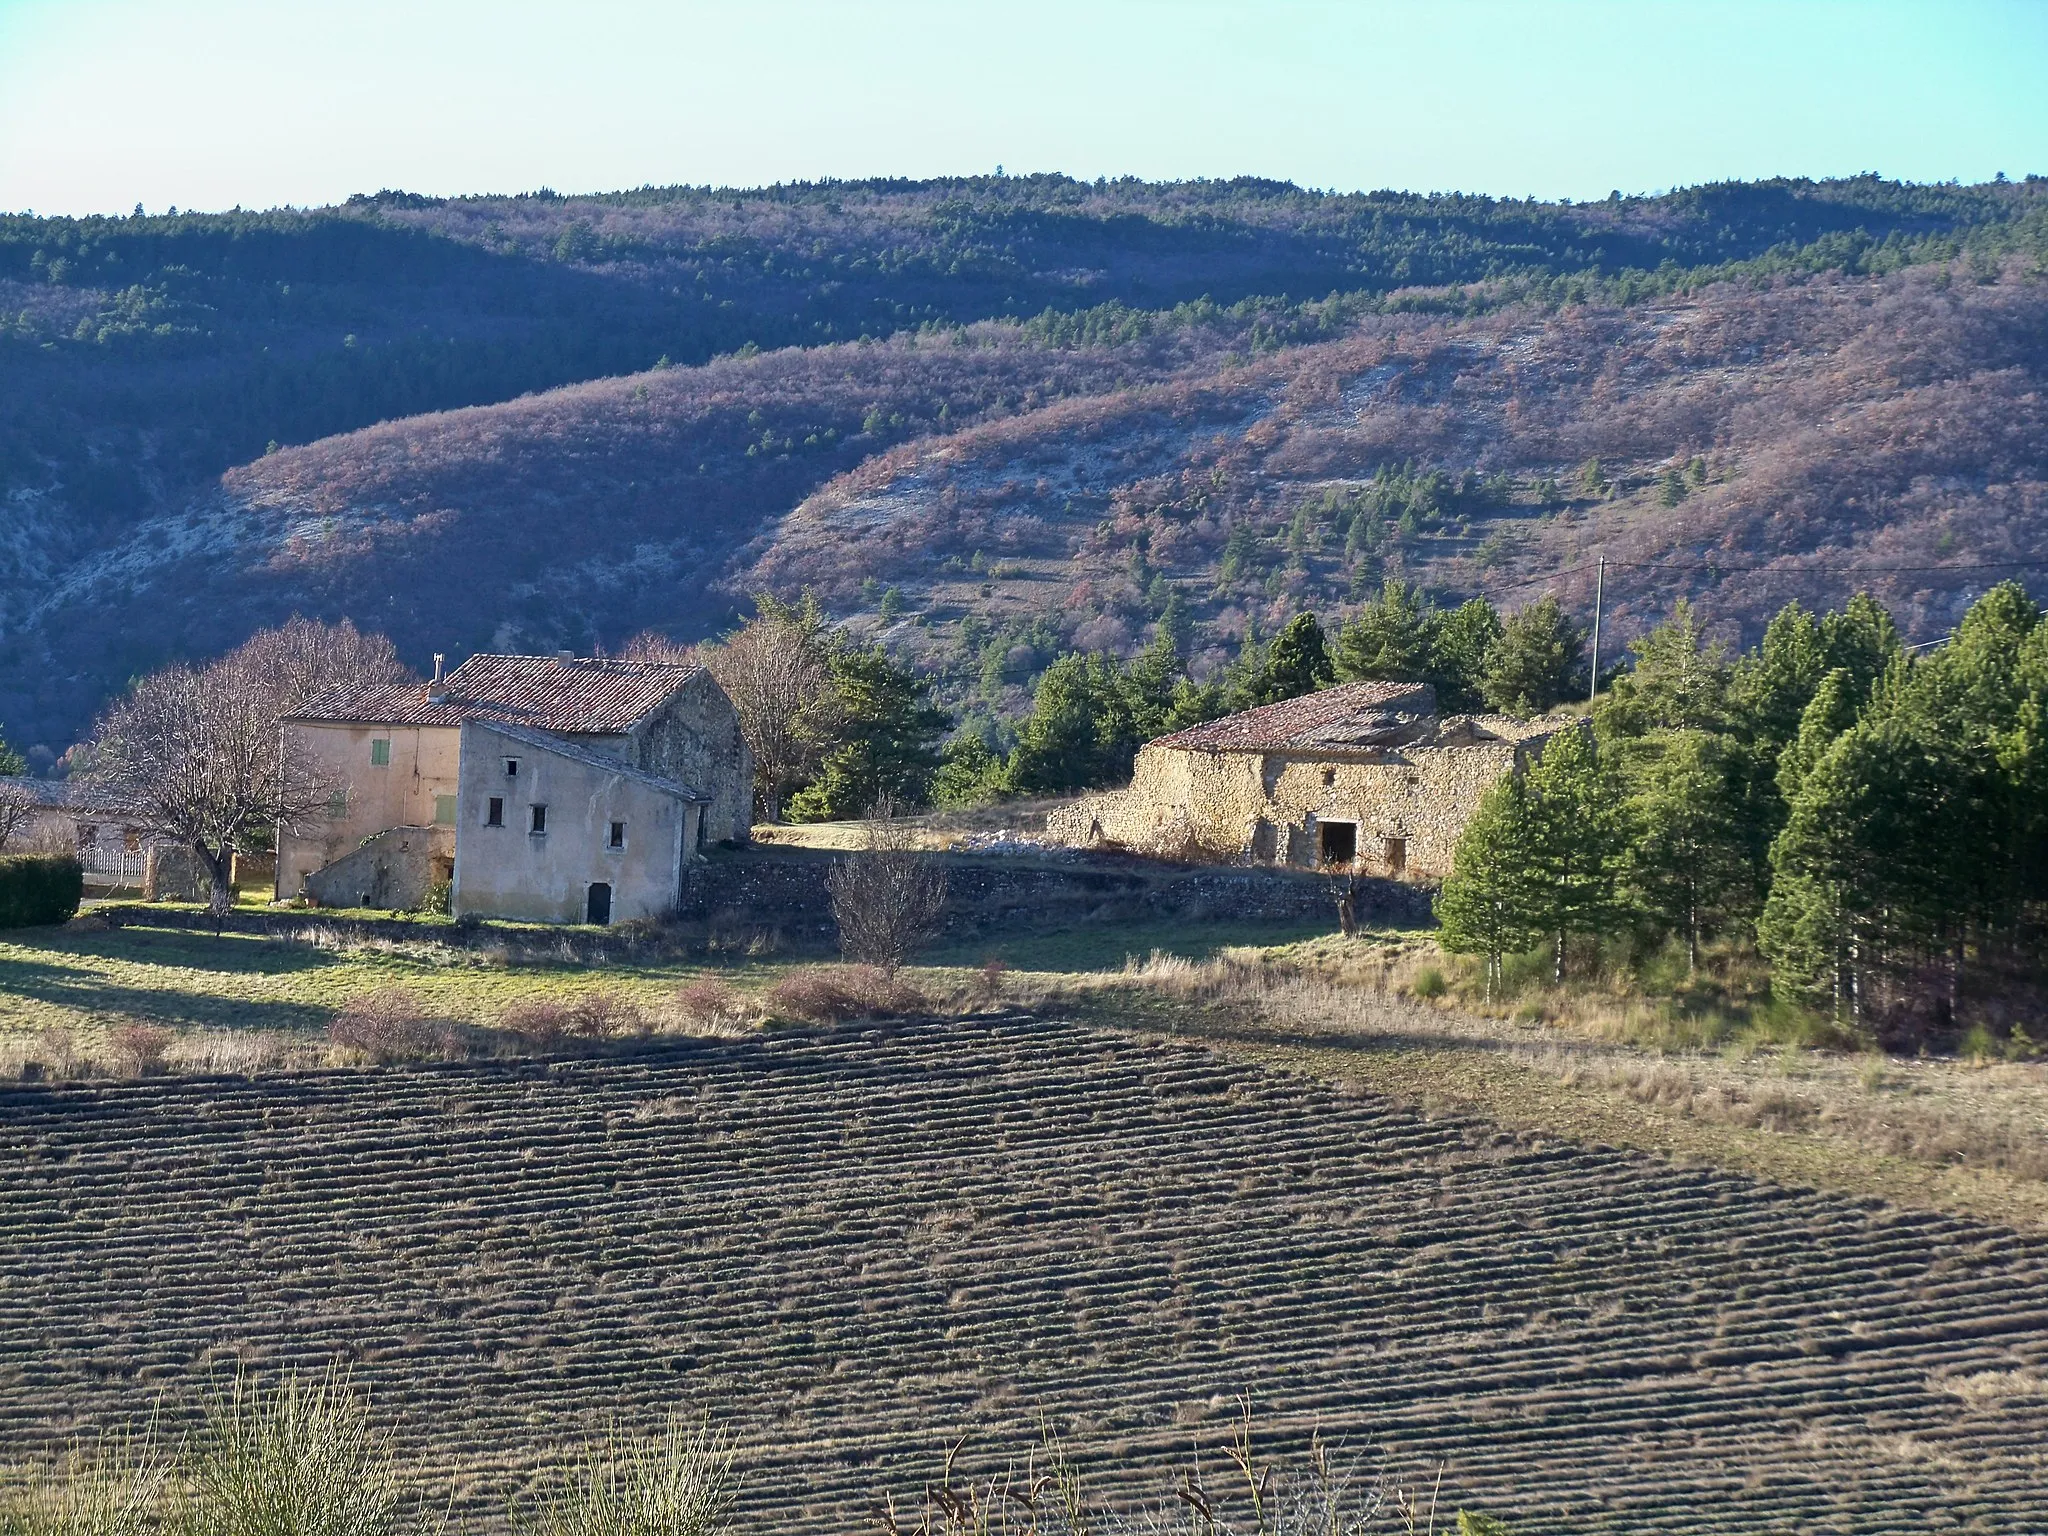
[855, 1246]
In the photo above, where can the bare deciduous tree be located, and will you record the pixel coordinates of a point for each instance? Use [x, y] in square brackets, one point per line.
[888, 897]
[302, 658]
[18, 811]
[196, 754]
[776, 669]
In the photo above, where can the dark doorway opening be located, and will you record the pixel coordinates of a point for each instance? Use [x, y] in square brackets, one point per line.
[1339, 841]
[600, 905]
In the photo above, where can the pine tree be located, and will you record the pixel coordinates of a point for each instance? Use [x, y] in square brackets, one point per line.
[1770, 688]
[1535, 662]
[1580, 843]
[1690, 868]
[1489, 904]
[1296, 663]
[1388, 640]
[1831, 711]
[1458, 649]
[887, 739]
[1080, 732]
[1679, 682]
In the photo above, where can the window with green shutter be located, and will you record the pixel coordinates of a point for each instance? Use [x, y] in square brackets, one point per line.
[380, 752]
[444, 810]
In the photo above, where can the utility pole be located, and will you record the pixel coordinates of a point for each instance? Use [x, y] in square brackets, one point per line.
[1599, 594]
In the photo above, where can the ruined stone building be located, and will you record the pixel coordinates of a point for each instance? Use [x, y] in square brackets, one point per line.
[544, 788]
[1368, 777]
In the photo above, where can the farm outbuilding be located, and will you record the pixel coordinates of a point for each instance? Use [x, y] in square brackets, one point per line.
[1368, 778]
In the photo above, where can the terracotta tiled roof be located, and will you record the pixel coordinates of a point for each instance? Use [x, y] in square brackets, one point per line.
[1355, 715]
[584, 696]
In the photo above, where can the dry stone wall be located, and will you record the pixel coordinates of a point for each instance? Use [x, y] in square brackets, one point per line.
[784, 889]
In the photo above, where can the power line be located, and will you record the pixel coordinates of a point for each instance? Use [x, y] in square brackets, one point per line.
[1717, 568]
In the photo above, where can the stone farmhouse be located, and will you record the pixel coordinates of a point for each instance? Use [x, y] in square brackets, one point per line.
[1367, 778]
[541, 788]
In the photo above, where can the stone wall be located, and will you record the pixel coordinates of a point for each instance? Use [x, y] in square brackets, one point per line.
[695, 739]
[391, 871]
[1401, 809]
[784, 888]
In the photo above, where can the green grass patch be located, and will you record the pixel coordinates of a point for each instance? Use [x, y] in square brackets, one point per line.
[88, 982]
[1105, 946]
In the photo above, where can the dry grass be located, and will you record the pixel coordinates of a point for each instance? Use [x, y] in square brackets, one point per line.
[1963, 1136]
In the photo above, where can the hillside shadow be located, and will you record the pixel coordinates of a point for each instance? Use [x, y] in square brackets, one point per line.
[227, 954]
[87, 991]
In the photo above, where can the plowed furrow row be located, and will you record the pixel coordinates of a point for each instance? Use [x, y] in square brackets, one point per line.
[856, 1247]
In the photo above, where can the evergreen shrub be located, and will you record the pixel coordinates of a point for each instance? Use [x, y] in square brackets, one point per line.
[39, 888]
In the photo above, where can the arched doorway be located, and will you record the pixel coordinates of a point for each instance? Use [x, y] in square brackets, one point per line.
[599, 909]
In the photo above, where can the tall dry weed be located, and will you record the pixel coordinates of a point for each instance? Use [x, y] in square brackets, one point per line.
[118, 1486]
[679, 1482]
[298, 1457]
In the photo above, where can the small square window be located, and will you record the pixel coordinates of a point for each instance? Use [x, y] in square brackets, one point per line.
[540, 821]
[511, 767]
[337, 805]
[618, 837]
[494, 812]
[444, 810]
[380, 752]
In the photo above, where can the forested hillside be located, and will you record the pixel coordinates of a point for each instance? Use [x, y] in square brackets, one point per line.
[143, 359]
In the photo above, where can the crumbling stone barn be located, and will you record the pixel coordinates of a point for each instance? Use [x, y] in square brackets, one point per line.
[1368, 778]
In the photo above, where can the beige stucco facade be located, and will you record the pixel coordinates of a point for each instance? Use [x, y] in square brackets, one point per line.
[393, 757]
[1394, 810]
[610, 843]
[413, 785]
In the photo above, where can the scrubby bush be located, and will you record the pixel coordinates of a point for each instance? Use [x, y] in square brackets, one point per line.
[711, 1004]
[541, 1022]
[1429, 983]
[605, 1016]
[538, 1022]
[831, 994]
[388, 1026]
[115, 1488]
[139, 1048]
[39, 888]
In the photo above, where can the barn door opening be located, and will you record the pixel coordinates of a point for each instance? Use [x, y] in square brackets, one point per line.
[1339, 843]
[599, 909]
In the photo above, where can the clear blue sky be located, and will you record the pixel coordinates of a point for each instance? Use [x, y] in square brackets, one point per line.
[212, 103]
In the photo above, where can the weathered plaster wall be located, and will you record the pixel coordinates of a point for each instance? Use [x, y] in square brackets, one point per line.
[695, 739]
[392, 870]
[511, 872]
[401, 793]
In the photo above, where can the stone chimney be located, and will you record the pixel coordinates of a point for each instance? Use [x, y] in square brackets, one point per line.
[565, 655]
[437, 687]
